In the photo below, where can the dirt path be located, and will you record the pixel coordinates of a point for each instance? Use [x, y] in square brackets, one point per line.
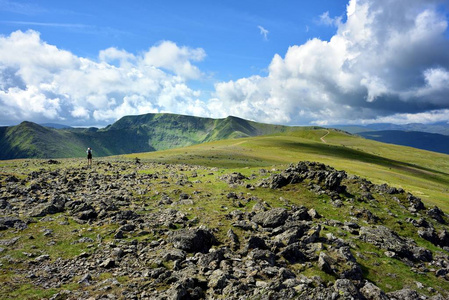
[322, 138]
[239, 143]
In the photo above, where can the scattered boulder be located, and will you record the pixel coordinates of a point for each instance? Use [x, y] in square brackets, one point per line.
[12, 179]
[53, 162]
[340, 264]
[255, 242]
[333, 180]
[404, 294]
[389, 240]
[194, 240]
[415, 203]
[372, 292]
[292, 234]
[440, 239]
[12, 222]
[278, 181]
[174, 254]
[386, 189]
[436, 214]
[9, 242]
[272, 218]
[107, 264]
[89, 214]
[366, 215]
[293, 253]
[234, 178]
[56, 205]
[4, 204]
[218, 280]
[346, 289]
[85, 280]
[262, 255]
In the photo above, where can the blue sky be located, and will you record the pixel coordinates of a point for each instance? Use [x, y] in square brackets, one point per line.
[86, 63]
[228, 31]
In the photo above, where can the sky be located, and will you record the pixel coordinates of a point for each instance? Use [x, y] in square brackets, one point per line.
[291, 62]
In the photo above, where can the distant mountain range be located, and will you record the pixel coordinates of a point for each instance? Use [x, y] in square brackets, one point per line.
[439, 127]
[151, 132]
[55, 125]
[432, 137]
[130, 134]
[421, 140]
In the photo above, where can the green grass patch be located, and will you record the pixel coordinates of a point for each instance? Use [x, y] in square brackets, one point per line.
[423, 173]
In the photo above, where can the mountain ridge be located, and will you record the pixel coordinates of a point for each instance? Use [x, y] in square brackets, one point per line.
[162, 131]
[130, 134]
[416, 139]
[344, 221]
[438, 127]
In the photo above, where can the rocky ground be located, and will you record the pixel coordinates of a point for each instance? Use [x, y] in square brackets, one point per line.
[138, 230]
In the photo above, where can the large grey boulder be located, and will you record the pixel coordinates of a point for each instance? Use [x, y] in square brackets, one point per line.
[346, 289]
[415, 203]
[404, 294]
[436, 214]
[12, 222]
[389, 240]
[277, 181]
[333, 180]
[194, 240]
[340, 263]
[272, 218]
[373, 292]
[293, 253]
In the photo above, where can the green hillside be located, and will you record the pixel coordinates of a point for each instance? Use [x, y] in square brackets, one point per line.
[233, 142]
[422, 172]
[32, 140]
[265, 217]
[130, 134]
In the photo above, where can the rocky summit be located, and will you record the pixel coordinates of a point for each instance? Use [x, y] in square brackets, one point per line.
[143, 230]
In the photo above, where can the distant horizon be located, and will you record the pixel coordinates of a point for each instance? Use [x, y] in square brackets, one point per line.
[46, 124]
[289, 62]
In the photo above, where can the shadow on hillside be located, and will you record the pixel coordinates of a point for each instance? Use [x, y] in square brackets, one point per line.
[358, 155]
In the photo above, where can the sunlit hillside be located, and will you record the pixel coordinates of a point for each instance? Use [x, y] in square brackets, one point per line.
[422, 172]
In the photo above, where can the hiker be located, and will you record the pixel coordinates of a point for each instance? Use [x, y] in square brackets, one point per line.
[89, 157]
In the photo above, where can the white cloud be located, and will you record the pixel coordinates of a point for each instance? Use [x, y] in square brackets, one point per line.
[424, 117]
[24, 104]
[112, 55]
[80, 112]
[379, 64]
[169, 56]
[327, 20]
[40, 82]
[263, 32]
[437, 78]
[351, 7]
[388, 60]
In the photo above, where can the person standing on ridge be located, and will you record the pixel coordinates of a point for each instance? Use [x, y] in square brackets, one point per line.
[89, 157]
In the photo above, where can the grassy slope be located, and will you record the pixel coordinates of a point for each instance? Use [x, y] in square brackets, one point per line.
[424, 173]
[166, 131]
[130, 134]
[32, 140]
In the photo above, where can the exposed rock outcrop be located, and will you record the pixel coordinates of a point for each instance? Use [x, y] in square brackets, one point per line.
[142, 234]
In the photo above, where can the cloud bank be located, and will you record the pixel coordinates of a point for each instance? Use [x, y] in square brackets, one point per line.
[40, 82]
[388, 61]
